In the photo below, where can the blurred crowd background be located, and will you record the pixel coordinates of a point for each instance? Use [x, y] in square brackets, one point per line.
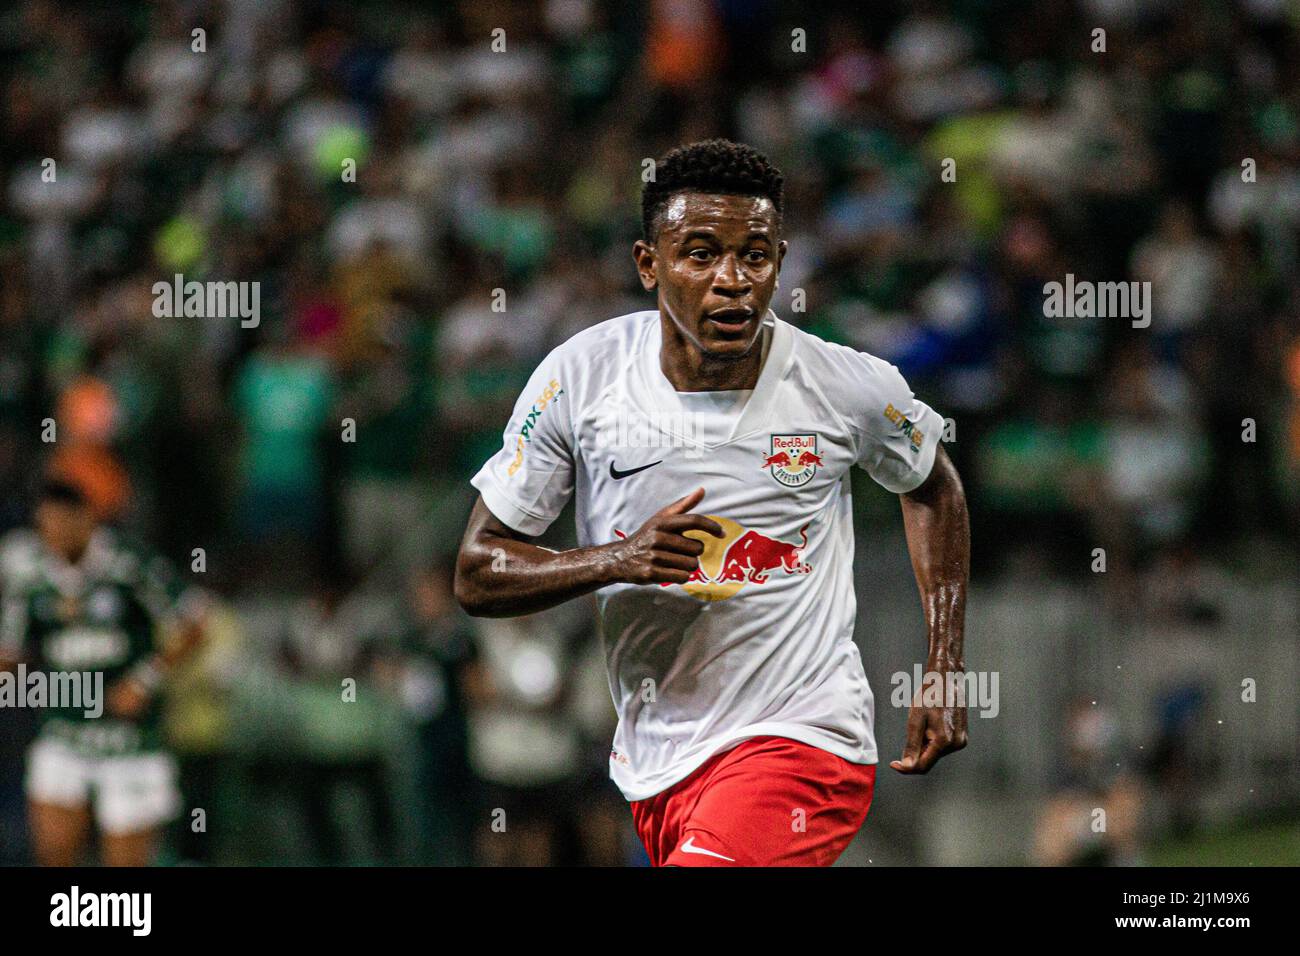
[519, 170]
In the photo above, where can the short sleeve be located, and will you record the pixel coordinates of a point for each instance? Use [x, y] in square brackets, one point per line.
[529, 481]
[166, 595]
[898, 433]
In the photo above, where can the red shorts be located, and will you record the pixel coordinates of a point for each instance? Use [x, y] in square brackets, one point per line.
[770, 801]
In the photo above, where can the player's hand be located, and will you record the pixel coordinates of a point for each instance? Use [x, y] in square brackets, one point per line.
[659, 552]
[931, 733]
[127, 699]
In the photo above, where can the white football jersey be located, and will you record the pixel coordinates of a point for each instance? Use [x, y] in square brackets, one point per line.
[760, 641]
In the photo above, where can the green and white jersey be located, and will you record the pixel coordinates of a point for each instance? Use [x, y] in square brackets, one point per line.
[101, 615]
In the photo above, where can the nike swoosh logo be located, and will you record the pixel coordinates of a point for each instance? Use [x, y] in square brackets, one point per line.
[616, 474]
[690, 847]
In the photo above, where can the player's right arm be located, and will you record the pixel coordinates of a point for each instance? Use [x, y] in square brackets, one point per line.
[500, 572]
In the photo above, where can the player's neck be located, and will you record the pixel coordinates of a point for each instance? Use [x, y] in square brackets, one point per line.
[688, 369]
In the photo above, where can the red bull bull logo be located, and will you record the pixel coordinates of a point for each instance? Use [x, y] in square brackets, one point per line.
[794, 459]
[741, 557]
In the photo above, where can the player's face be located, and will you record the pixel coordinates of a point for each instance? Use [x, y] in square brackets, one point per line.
[65, 528]
[715, 263]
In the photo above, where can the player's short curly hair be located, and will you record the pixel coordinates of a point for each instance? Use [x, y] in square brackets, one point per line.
[709, 166]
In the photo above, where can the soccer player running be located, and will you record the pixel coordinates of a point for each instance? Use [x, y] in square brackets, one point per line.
[709, 444]
[78, 599]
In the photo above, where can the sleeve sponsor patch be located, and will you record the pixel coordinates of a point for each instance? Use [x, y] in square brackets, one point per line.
[905, 425]
[549, 394]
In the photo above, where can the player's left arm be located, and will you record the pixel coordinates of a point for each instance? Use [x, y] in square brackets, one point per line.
[938, 537]
[182, 614]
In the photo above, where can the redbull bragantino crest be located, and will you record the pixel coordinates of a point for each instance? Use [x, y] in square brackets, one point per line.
[741, 557]
[794, 459]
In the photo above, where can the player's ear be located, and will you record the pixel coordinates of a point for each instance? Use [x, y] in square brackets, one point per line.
[644, 255]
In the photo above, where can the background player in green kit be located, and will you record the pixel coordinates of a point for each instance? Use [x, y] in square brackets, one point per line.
[77, 597]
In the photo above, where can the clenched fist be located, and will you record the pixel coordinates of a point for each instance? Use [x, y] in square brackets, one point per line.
[659, 551]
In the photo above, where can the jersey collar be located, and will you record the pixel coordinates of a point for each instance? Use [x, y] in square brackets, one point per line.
[97, 558]
[663, 398]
